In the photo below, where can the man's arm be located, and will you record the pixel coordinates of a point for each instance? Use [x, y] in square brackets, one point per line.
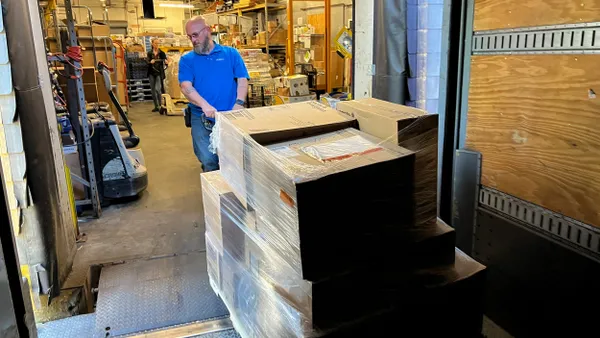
[192, 95]
[241, 74]
[242, 92]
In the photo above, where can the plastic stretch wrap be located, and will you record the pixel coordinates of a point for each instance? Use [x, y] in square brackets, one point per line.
[255, 308]
[411, 128]
[250, 282]
[320, 189]
[264, 295]
[267, 299]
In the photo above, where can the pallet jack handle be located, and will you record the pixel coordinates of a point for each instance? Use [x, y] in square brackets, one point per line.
[133, 139]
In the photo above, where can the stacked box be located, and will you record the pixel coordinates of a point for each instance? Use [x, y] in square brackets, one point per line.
[323, 223]
[244, 257]
[299, 188]
[411, 128]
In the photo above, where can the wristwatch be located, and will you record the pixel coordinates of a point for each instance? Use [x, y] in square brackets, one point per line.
[240, 102]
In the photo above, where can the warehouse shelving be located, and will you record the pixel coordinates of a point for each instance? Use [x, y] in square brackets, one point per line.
[268, 8]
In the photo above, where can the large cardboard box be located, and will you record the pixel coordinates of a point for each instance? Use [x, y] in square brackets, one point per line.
[278, 36]
[283, 99]
[172, 78]
[244, 131]
[299, 197]
[249, 268]
[297, 84]
[452, 296]
[262, 38]
[411, 128]
[295, 188]
[101, 55]
[342, 298]
[97, 29]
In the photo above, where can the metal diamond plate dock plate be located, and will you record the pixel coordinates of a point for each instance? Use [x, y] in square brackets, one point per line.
[151, 294]
[81, 326]
[231, 333]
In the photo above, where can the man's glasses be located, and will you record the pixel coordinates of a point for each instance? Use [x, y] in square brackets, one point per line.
[197, 34]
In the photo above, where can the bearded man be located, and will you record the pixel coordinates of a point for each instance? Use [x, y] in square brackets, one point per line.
[213, 78]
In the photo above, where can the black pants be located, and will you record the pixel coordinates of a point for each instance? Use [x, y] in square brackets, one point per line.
[156, 88]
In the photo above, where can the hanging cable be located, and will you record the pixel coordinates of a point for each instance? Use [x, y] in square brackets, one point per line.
[74, 53]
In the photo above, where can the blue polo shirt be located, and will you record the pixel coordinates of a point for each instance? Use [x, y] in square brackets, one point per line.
[214, 76]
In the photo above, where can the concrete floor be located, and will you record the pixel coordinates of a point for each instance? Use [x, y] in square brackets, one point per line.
[167, 218]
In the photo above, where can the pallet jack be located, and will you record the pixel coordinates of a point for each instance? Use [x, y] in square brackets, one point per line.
[118, 160]
[172, 107]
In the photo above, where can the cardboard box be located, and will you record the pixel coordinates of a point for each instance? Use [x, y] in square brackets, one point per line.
[97, 29]
[262, 38]
[254, 305]
[172, 86]
[283, 91]
[272, 25]
[218, 199]
[214, 259]
[101, 55]
[319, 56]
[454, 296]
[412, 129]
[297, 195]
[267, 125]
[278, 37]
[298, 84]
[317, 21]
[288, 188]
[328, 303]
[282, 99]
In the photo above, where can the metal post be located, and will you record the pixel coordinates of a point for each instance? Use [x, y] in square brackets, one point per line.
[267, 35]
[290, 42]
[328, 45]
[85, 132]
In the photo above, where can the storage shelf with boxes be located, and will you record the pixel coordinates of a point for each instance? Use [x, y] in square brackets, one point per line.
[321, 221]
[253, 25]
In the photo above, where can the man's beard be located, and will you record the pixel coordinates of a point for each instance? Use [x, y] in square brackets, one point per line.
[203, 47]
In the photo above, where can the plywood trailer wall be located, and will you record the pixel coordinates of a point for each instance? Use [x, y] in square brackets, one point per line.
[535, 117]
[507, 14]
[536, 121]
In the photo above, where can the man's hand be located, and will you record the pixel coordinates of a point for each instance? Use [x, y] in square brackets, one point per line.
[237, 107]
[152, 61]
[209, 110]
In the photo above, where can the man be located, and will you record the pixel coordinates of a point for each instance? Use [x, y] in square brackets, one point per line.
[157, 59]
[213, 78]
